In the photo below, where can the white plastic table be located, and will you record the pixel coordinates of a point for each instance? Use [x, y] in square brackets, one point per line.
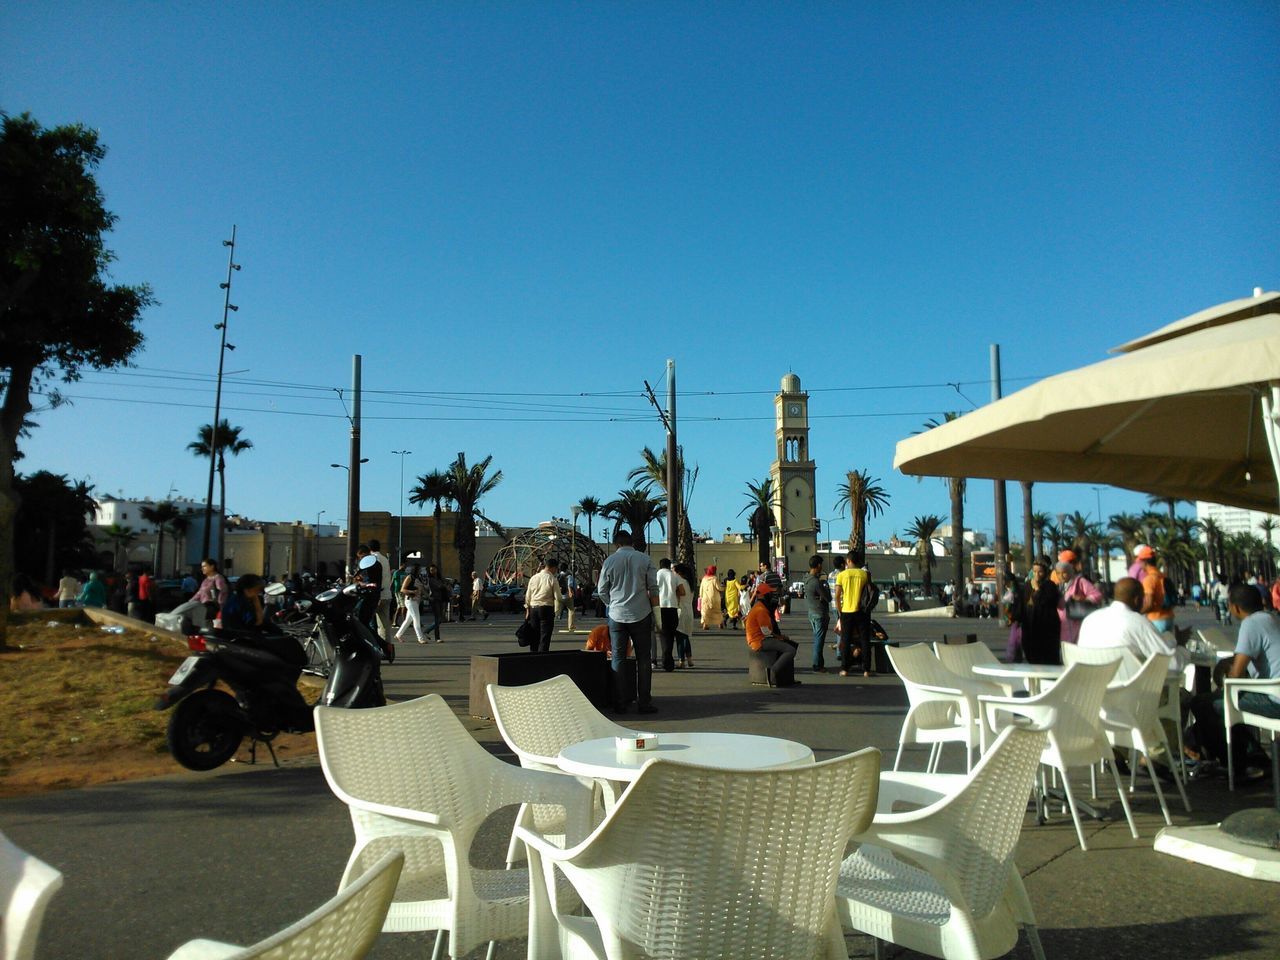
[601, 759]
[1032, 673]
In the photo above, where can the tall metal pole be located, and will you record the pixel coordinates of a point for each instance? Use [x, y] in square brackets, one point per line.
[400, 508]
[675, 476]
[217, 398]
[1001, 508]
[353, 485]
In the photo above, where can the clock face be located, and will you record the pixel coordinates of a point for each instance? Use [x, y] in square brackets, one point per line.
[794, 409]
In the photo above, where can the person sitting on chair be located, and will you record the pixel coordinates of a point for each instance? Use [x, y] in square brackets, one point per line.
[762, 615]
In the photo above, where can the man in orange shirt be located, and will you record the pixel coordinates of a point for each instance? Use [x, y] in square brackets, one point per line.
[760, 617]
[1155, 605]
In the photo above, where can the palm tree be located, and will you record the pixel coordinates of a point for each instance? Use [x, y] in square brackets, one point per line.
[922, 531]
[1169, 503]
[956, 490]
[590, 507]
[863, 496]
[1039, 523]
[651, 473]
[762, 500]
[635, 509]
[229, 441]
[1268, 526]
[1053, 533]
[1128, 527]
[466, 486]
[434, 487]
[163, 515]
[120, 538]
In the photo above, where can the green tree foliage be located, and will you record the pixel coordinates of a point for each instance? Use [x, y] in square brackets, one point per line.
[634, 508]
[163, 516]
[52, 525]
[652, 473]
[434, 488]
[59, 312]
[862, 495]
[467, 486]
[590, 507]
[762, 500]
[922, 531]
[956, 487]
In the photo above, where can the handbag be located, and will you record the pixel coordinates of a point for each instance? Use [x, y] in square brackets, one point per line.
[526, 633]
[1078, 609]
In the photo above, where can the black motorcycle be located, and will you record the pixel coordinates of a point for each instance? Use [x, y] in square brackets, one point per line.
[262, 668]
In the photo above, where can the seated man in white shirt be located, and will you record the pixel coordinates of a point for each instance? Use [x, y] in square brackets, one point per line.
[1121, 625]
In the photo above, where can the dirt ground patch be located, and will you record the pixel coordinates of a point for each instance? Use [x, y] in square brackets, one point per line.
[79, 705]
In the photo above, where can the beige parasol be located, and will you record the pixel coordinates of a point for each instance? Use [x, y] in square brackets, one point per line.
[1188, 411]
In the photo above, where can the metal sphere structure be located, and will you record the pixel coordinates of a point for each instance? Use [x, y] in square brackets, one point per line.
[522, 556]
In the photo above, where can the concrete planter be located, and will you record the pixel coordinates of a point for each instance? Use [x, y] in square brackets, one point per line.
[590, 671]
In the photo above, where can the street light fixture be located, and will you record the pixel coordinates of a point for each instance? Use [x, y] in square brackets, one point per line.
[400, 537]
[343, 466]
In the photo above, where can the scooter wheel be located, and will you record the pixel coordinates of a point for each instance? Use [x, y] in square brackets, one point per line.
[205, 730]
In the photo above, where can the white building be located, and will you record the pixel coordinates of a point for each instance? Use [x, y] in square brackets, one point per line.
[1232, 520]
[128, 513]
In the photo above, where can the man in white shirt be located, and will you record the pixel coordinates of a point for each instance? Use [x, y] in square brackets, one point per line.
[477, 596]
[668, 612]
[541, 602]
[384, 598]
[1121, 625]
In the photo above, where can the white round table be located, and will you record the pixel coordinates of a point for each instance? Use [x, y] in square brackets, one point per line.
[1032, 673]
[602, 760]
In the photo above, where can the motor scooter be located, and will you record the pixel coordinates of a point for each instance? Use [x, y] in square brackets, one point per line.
[261, 668]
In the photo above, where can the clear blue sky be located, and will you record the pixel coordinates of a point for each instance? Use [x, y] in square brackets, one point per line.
[495, 201]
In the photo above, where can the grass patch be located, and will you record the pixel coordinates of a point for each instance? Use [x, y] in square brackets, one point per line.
[79, 704]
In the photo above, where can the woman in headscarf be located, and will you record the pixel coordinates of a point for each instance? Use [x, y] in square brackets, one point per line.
[684, 622]
[94, 592]
[1074, 585]
[733, 599]
[1039, 615]
[709, 597]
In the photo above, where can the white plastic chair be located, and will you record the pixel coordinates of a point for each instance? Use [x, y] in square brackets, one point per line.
[342, 929]
[415, 779]
[1231, 690]
[1072, 711]
[537, 721]
[941, 880]
[944, 705]
[747, 869]
[1131, 718]
[961, 658]
[26, 887]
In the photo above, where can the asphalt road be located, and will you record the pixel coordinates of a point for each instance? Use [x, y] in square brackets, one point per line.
[239, 853]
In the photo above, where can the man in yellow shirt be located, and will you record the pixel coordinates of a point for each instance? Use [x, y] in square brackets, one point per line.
[854, 621]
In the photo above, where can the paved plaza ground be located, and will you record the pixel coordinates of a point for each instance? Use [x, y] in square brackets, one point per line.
[239, 853]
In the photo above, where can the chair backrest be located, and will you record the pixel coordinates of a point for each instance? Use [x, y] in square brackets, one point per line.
[918, 666]
[344, 928]
[414, 754]
[540, 719]
[978, 827]
[1129, 664]
[961, 658]
[1139, 696]
[26, 887]
[749, 867]
[1077, 699]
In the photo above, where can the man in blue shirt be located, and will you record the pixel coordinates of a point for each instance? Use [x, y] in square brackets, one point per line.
[628, 588]
[1257, 655]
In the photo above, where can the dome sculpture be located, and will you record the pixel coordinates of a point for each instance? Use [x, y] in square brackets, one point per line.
[522, 556]
[790, 383]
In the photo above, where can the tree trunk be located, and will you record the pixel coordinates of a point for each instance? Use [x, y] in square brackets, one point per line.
[956, 488]
[437, 538]
[17, 404]
[1026, 525]
[159, 549]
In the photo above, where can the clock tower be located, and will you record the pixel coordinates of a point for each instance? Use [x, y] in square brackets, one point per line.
[795, 512]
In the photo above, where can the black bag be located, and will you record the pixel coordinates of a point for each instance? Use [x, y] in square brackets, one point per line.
[870, 597]
[1079, 609]
[526, 633]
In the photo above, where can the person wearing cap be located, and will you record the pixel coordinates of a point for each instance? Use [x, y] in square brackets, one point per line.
[1157, 604]
[1074, 585]
[761, 616]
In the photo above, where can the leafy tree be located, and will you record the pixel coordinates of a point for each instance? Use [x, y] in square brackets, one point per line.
[1128, 528]
[58, 311]
[635, 509]
[1268, 526]
[762, 500]
[862, 495]
[589, 506]
[228, 441]
[467, 485]
[956, 490]
[51, 527]
[434, 487]
[1039, 522]
[163, 515]
[922, 531]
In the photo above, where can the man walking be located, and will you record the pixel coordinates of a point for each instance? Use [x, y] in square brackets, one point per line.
[668, 610]
[817, 598]
[628, 588]
[384, 596]
[477, 596]
[541, 601]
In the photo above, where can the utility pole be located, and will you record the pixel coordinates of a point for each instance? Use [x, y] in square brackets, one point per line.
[1001, 508]
[353, 486]
[227, 308]
[674, 474]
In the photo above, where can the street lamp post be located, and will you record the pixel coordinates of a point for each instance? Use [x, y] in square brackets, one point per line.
[315, 559]
[227, 309]
[400, 536]
[573, 563]
[343, 466]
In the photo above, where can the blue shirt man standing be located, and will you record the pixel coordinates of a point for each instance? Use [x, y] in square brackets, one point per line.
[628, 588]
